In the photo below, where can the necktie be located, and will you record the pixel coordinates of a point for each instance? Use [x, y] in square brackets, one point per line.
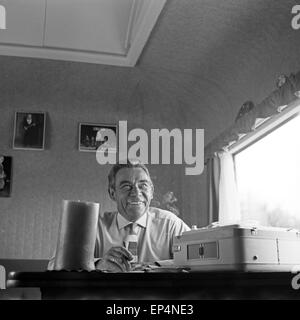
[131, 240]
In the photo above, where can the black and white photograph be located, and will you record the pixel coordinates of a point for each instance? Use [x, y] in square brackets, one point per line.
[195, 105]
[5, 175]
[93, 137]
[29, 130]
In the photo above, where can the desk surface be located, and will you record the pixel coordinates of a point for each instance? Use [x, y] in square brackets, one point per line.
[158, 285]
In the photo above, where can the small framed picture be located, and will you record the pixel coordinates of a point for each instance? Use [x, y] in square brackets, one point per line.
[29, 130]
[5, 175]
[93, 136]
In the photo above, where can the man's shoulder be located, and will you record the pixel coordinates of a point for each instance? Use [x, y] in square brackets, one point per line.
[157, 213]
[160, 217]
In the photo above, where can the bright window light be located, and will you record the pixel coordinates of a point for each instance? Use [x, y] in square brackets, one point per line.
[268, 178]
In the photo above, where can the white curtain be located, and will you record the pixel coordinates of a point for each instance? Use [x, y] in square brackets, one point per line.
[223, 199]
[229, 206]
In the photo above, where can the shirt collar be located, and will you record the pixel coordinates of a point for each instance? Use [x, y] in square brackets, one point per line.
[123, 222]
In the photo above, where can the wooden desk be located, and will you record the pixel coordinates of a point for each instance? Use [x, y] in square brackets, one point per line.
[157, 285]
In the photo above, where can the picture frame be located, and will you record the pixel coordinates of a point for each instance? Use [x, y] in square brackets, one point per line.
[5, 175]
[29, 130]
[93, 136]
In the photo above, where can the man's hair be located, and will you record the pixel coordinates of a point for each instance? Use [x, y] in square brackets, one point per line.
[118, 166]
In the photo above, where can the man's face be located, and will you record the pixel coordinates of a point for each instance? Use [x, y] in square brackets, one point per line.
[133, 192]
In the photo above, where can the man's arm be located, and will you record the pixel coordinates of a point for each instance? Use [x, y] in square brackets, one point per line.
[115, 260]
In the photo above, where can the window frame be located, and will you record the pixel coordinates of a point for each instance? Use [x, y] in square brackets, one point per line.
[266, 126]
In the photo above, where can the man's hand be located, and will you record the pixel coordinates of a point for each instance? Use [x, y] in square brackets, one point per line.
[116, 259]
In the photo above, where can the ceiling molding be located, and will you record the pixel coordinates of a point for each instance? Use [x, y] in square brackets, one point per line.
[112, 32]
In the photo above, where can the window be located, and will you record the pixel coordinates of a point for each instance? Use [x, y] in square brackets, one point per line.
[268, 177]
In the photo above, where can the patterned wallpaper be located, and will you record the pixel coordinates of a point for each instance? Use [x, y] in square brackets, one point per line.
[69, 93]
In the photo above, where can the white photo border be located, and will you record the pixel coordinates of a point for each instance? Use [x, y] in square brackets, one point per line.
[88, 127]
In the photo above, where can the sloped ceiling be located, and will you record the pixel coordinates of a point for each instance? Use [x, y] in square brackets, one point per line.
[214, 55]
[204, 59]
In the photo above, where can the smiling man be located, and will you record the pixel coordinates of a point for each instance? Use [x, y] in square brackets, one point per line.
[150, 230]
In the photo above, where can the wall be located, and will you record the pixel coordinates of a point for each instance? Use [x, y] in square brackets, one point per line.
[69, 93]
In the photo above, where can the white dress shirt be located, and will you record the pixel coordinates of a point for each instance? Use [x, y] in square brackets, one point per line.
[155, 233]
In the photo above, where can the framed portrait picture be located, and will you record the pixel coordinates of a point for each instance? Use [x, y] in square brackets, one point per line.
[29, 130]
[5, 175]
[93, 136]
